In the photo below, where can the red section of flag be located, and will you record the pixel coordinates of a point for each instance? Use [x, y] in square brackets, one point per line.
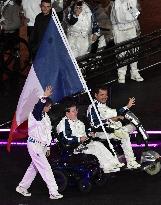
[17, 132]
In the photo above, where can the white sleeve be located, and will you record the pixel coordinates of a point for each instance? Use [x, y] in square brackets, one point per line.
[107, 113]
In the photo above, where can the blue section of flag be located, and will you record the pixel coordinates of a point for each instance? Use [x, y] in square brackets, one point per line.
[53, 65]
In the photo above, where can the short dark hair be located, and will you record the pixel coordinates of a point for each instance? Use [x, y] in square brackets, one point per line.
[68, 105]
[48, 102]
[46, 1]
[101, 87]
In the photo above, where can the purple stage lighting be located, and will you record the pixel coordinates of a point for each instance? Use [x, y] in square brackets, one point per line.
[135, 132]
[133, 145]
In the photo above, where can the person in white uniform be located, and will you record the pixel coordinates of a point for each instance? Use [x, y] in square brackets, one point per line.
[111, 121]
[38, 144]
[72, 131]
[124, 16]
[82, 29]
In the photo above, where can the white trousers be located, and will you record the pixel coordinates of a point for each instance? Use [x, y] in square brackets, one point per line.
[106, 159]
[39, 164]
[123, 136]
[121, 36]
[79, 44]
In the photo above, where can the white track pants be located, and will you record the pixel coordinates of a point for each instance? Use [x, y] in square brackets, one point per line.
[121, 36]
[39, 164]
[106, 159]
[124, 138]
[79, 44]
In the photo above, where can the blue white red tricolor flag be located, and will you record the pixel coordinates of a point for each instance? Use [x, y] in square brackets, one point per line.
[54, 65]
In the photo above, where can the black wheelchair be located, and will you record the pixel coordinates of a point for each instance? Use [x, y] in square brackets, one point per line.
[81, 170]
[150, 160]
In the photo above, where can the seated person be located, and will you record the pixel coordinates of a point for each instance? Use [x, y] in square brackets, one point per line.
[111, 119]
[73, 132]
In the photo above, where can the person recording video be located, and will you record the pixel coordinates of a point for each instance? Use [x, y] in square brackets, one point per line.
[78, 8]
[82, 28]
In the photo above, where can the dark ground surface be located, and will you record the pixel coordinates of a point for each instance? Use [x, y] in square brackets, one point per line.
[147, 94]
[126, 188]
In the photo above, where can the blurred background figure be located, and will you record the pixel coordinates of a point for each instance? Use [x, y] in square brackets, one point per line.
[82, 28]
[40, 26]
[124, 16]
[31, 9]
[58, 6]
[10, 20]
[102, 12]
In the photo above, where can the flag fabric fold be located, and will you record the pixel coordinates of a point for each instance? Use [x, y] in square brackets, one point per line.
[54, 65]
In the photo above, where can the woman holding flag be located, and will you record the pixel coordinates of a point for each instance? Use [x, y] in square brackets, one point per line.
[38, 144]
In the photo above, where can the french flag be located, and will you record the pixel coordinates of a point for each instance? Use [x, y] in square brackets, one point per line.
[54, 65]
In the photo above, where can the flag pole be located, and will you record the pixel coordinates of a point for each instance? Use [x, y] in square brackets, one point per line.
[63, 36]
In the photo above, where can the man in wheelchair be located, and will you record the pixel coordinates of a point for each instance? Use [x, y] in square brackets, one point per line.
[111, 119]
[72, 132]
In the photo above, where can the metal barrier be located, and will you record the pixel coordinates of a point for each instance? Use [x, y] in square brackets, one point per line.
[98, 67]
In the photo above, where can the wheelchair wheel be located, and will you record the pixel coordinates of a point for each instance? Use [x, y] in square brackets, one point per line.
[16, 57]
[153, 169]
[61, 180]
[84, 186]
[151, 162]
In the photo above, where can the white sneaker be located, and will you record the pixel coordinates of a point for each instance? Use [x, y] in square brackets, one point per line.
[115, 169]
[119, 165]
[56, 196]
[80, 149]
[133, 165]
[137, 77]
[22, 191]
[121, 79]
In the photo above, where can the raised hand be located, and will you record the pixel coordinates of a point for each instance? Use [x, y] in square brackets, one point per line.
[83, 138]
[131, 102]
[48, 91]
[94, 37]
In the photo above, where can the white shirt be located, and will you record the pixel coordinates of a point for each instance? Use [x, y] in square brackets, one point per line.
[106, 112]
[77, 127]
[84, 24]
[40, 130]
[124, 13]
